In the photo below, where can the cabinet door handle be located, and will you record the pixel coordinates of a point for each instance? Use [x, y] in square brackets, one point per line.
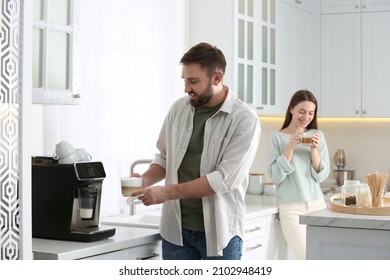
[254, 247]
[148, 257]
[298, 2]
[252, 229]
[259, 108]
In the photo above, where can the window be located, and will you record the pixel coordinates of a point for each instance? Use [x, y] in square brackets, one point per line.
[53, 52]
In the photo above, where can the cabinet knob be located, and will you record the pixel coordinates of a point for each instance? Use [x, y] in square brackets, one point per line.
[357, 7]
[76, 95]
[254, 247]
[364, 112]
[259, 108]
[363, 6]
[153, 255]
[252, 229]
[357, 112]
[298, 2]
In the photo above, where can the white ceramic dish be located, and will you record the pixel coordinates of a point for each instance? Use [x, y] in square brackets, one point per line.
[270, 189]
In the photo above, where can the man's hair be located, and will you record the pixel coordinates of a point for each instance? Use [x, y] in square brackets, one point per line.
[209, 57]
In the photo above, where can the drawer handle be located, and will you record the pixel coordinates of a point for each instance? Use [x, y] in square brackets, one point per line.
[148, 257]
[252, 230]
[254, 247]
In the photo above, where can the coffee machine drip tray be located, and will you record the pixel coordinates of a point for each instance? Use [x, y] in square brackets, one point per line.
[91, 233]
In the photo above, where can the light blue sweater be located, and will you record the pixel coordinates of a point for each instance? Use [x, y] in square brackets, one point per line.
[297, 180]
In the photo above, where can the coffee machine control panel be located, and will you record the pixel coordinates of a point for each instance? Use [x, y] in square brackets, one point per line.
[89, 171]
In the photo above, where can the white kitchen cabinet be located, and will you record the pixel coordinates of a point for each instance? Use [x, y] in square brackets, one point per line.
[55, 29]
[339, 236]
[295, 50]
[263, 239]
[354, 58]
[354, 6]
[149, 251]
[307, 5]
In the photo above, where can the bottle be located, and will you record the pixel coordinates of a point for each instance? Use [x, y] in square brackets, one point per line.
[339, 159]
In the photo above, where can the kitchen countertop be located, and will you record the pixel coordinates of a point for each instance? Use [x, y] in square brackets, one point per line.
[260, 205]
[340, 236]
[330, 218]
[127, 237]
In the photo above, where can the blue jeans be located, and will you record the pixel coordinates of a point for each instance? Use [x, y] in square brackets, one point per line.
[194, 248]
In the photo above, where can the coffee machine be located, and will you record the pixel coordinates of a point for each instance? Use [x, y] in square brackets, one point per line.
[66, 200]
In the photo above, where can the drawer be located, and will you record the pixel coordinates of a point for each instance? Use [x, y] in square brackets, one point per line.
[255, 228]
[255, 249]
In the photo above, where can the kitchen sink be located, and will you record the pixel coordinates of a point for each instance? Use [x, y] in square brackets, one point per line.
[146, 221]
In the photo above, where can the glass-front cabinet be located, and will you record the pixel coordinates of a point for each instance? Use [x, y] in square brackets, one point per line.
[53, 52]
[255, 56]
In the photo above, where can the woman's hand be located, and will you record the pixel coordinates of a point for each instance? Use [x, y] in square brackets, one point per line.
[295, 139]
[316, 140]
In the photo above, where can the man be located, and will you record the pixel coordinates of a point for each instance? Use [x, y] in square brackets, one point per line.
[206, 147]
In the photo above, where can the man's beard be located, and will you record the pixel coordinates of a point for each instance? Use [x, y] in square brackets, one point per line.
[204, 97]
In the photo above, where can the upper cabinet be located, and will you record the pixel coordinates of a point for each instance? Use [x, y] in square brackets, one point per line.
[306, 5]
[295, 49]
[275, 52]
[354, 57]
[353, 6]
[255, 58]
[54, 52]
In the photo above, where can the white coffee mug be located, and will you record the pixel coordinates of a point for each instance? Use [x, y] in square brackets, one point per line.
[71, 158]
[85, 156]
[62, 150]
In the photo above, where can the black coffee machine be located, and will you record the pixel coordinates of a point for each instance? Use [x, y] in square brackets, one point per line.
[66, 200]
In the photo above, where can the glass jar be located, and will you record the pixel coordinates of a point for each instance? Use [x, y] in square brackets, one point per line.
[348, 191]
[363, 196]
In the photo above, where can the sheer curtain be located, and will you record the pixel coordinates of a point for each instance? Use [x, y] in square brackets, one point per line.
[128, 69]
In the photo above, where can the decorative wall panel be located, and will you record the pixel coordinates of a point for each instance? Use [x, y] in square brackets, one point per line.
[10, 81]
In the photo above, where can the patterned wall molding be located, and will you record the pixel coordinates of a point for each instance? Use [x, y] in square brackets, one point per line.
[10, 81]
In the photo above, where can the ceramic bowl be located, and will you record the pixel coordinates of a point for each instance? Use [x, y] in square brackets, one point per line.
[270, 189]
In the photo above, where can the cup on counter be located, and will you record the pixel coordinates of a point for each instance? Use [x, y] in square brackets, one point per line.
[256, 183]
[84, 155]
[87, 201]
[129, 185]
[62, 150]
[270, 189]
[71, 158]
[307, 137]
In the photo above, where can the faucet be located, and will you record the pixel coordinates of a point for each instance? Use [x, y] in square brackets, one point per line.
[138, 162]
[133, 201]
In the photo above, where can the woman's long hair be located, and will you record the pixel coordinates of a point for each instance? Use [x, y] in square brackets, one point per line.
[298, 97]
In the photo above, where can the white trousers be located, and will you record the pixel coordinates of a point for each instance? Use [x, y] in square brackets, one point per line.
[294, 232]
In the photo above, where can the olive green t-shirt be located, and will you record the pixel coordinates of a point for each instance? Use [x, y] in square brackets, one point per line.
[191, 209]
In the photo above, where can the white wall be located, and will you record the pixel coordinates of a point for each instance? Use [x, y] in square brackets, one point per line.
[129, 75]
[365, 142]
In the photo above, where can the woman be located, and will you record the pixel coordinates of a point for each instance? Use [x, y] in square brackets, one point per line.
[298, 169]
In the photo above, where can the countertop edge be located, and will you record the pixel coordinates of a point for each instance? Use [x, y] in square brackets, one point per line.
[330, 218]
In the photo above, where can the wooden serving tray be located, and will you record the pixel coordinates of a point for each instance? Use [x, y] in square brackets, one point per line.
[335, 205]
